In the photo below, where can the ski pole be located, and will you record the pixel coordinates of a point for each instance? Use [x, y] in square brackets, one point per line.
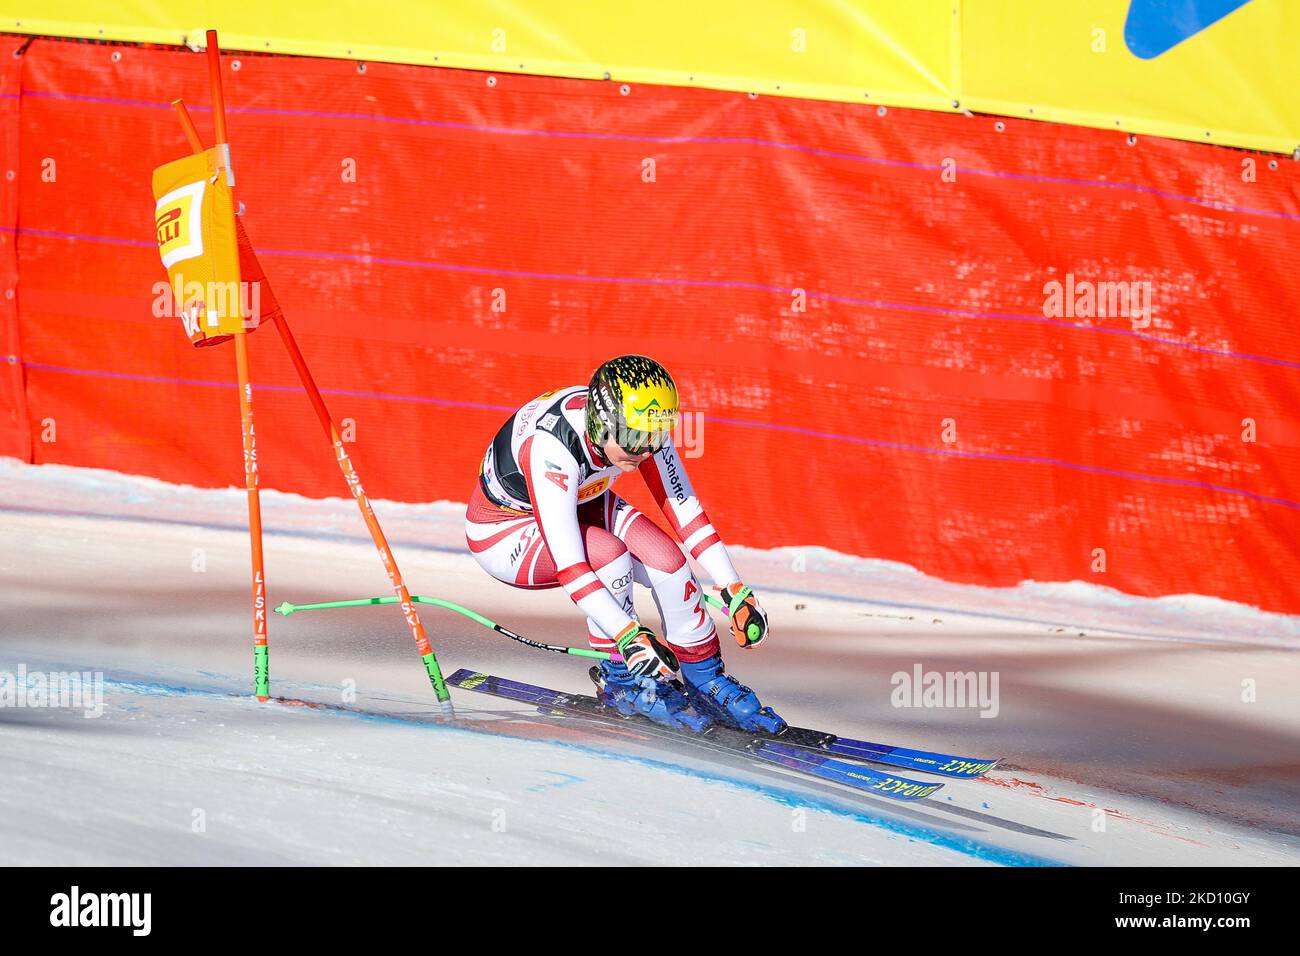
[286, 609]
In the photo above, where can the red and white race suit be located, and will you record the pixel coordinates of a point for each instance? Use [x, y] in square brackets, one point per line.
[542, 514]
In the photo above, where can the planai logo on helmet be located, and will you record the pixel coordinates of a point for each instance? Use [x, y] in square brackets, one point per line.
[633, 399]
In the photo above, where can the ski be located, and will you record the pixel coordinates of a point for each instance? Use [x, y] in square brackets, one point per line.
[799, 759]
[945, 765]
[941, 764]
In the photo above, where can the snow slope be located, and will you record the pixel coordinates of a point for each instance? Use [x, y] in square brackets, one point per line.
[1122, 720]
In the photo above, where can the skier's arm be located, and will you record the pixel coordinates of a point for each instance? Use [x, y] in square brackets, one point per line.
[552, 478]
[665, 476]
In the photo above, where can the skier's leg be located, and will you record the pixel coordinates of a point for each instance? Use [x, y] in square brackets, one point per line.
[610, 560]
[506, 544]
[509, 547]
[618, 687]
[659, 564]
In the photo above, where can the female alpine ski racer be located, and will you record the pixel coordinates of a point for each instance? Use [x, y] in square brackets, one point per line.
[542, 515]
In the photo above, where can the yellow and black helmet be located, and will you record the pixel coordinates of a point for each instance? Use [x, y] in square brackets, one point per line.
[633, 400]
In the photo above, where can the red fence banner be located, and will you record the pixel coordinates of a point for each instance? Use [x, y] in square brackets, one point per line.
[991, 349]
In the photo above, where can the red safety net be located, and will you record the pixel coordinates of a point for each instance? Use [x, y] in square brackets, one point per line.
[853, 298]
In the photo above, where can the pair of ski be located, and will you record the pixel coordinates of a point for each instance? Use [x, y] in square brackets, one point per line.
[811, 752]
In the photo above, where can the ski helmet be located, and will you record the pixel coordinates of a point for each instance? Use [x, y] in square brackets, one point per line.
[633, 400]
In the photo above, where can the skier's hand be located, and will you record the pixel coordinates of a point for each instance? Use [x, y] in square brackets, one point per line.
[747, 617]
[645, 655]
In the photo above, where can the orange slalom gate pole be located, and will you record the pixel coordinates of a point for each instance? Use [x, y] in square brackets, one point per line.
[261, 650]
[423, 646]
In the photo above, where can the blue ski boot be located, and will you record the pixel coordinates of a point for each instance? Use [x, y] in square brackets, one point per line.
[712, 691]
[660, 701]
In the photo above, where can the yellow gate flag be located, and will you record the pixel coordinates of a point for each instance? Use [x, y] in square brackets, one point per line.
[194, 206]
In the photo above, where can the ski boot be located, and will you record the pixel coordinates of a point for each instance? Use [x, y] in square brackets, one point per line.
[659, 701]
[712, 691]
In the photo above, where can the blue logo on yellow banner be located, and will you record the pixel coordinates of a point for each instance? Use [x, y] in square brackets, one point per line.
[1154, 27]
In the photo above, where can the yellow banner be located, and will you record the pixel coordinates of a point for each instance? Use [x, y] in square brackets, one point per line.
[197, 241]
[1220, 71]
[1215, 71]
[886, 51]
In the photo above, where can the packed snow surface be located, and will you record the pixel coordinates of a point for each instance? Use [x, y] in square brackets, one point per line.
[1133, 730]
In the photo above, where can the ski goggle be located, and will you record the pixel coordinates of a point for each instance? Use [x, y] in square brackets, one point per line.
[634, 441]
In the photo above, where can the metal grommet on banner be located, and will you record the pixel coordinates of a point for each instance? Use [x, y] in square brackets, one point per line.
[235, 65]
[117, 56]
[1000, 126]
[1132, 139]
[491, 81]
[624, 90]
[881, 111]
